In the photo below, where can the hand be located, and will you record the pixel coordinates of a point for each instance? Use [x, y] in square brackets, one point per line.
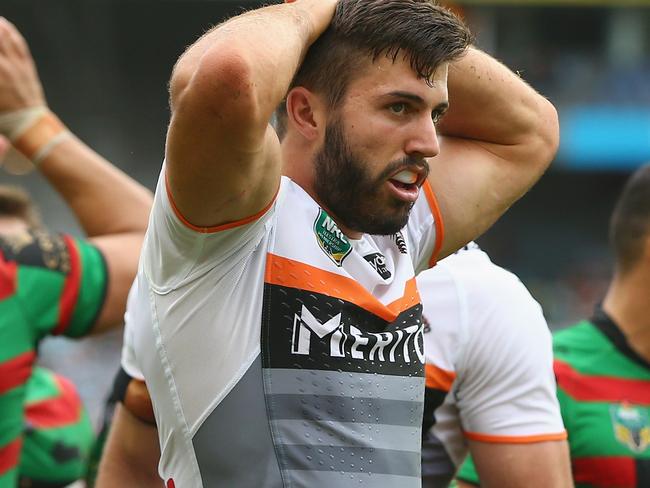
[20, 86]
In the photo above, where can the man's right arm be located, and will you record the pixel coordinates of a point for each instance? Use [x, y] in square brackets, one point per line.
[223, 158]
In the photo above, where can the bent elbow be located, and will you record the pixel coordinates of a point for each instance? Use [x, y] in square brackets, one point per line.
[178, 82]
[221, 80]
[548, 134]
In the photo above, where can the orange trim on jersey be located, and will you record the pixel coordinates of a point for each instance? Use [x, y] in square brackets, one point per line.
[512, 439]
[438, 378]
[217, 228]
[294, 274]
[440, 226]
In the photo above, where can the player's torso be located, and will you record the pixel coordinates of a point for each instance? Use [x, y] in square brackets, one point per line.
[327, 389]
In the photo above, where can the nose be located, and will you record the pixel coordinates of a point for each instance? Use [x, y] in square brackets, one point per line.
[423, 139]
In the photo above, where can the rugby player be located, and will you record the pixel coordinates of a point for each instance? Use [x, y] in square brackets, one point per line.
[489, 378]
[602, 365]
[265, 326]
[54, 283]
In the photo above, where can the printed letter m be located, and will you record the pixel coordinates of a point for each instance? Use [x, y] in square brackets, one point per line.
[305, 324]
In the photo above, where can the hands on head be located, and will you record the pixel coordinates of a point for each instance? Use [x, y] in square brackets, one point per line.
[24, 117]
[20, 86]
[111, 208]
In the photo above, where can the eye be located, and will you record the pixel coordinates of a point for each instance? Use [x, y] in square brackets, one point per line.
[437, 116]
[398, 108]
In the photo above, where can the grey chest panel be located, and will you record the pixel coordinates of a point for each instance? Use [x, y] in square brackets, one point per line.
[344, 390]
[233, 446]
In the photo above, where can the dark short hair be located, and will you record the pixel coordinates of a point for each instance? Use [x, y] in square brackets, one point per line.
[421, 31]
[630, 223]
[15, 202]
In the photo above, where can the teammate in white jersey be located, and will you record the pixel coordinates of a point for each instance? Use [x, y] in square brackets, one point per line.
[489, 378]
[277, 319]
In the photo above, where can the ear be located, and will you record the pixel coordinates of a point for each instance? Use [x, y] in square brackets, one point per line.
[305, 112]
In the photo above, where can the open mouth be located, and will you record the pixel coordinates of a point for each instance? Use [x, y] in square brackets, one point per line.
[406, 184]
[406, 180]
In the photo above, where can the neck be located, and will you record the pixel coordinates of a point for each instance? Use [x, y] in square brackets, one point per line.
[628, 303]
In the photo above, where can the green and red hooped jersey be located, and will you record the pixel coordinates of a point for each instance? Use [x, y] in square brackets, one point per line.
[49, 284]
[604, 394]
[58, 435]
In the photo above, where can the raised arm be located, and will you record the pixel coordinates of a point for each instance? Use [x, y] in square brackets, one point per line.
[112, 208]
[497, 139]
[223, 160]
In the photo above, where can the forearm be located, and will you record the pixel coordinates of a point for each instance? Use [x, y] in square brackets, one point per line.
[131, 454]
[104, 199]
[497, 139]
[489, 103]
[267, 46]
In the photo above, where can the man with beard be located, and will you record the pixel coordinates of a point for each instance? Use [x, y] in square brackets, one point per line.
[277, 319]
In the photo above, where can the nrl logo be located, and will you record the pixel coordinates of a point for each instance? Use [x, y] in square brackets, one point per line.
[631, 426]
[330, 238]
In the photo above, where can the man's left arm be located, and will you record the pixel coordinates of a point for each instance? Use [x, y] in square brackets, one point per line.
[497, 139]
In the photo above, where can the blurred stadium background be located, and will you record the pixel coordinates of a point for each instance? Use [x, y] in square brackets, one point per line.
[105, 66]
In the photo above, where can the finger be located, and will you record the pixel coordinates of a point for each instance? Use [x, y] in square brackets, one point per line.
[4, 37]
[16, 40]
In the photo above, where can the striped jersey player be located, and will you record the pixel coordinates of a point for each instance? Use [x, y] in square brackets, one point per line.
[279, 320]
[301, 347]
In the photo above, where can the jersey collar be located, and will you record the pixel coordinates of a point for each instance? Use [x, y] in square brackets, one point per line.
[608, 327]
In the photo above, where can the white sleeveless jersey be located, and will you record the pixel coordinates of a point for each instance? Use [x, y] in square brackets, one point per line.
[279, 353]
[489, 374]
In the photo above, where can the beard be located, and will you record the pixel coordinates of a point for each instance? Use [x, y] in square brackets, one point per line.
[355, 198]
